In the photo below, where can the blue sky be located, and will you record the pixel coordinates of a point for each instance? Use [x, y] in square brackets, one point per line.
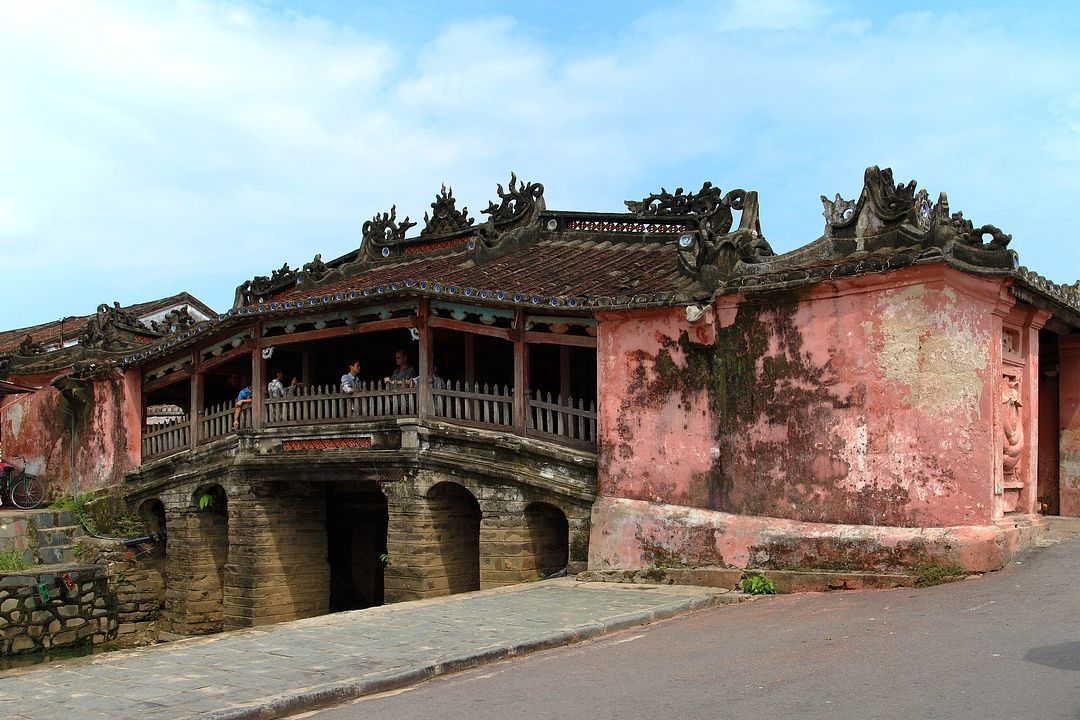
[152, 147]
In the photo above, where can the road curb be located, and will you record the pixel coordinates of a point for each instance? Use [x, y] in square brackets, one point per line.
[324, 696]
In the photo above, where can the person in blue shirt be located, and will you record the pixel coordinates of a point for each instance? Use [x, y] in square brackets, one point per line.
[242, 400]
[350, 381]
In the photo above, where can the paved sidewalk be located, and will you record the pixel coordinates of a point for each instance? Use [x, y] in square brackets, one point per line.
[282, 669]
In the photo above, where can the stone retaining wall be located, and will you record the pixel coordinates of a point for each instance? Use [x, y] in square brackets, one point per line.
[69, 617]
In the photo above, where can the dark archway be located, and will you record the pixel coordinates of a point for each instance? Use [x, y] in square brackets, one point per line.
[356, 521]
[455, 520]
[548, 540]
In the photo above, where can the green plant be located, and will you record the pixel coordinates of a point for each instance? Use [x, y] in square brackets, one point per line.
[928, 574]
[384, 559]
[77, 550]
[758, 584]
[121, 576]
[12, 562]
[205, 500]
[104, 515]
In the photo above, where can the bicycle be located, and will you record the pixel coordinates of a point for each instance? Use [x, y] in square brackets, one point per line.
[25, 490]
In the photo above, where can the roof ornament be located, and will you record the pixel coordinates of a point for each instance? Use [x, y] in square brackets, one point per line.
[316, 270]
[381, 232]
[174, 321]
[262, 287]
[28, 347]
[445, 217]
[515, 202]
[892, 215]
[664, 204]
[514, 222]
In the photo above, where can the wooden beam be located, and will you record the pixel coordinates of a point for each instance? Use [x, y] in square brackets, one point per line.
[226, 356]
[549, 339]
[312, 335]
[166, 381]
[460, 326]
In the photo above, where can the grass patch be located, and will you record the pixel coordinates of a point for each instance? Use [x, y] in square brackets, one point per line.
[929, 574]
[12, 562]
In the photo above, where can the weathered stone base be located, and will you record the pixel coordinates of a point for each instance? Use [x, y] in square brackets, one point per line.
[631, 535]
[29, 622]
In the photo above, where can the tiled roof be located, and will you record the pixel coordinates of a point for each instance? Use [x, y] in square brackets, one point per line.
[550, 268]
[50, 333]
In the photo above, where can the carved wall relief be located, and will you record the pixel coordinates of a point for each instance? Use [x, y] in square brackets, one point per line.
[1012, 425]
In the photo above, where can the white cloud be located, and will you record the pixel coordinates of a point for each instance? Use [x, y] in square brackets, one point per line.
[189, 146]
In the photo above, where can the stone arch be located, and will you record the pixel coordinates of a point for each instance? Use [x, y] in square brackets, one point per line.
[455, 524]
[546, 543]
[152, 512]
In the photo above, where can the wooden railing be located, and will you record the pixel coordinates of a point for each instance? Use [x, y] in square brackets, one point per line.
[562, 419]
[217, 420]
[167, 439]
[488, 406]
[327, 404]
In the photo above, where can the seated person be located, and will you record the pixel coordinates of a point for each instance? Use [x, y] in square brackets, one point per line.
[404, 372]
[242, 400]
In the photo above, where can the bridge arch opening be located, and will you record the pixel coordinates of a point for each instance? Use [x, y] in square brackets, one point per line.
[455, 521]
[547, 538]
[356, 523]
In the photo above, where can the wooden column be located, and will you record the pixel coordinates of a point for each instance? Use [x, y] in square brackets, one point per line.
[258, 379]
[196, 400]
[470, 359]
[424, 363]
[521, 374]
[305, 367]
[564, 371]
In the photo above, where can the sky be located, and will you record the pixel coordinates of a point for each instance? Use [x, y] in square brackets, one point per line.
[152, 147]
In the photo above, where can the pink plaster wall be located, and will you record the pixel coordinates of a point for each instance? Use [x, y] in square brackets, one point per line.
[1069, 398]
[863, 402]
[107, 432]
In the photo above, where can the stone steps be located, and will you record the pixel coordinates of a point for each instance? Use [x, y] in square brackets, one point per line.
[41, 537]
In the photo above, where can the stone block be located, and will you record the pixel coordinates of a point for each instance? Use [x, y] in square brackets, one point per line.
[66, 637]
[54, 627]
[8, 605]
[74, 622]
[67, 611]
[22, 644]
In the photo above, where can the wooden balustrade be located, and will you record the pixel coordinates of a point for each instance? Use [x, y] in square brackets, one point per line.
[167, 439]
[316, 404]
[558, 419]
[490, 406]
[217, 420]
[562, 419]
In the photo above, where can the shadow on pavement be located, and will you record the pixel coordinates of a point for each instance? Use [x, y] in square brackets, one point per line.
[1063, 656]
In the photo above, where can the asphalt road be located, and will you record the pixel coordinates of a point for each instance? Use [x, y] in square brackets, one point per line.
[1006, 645]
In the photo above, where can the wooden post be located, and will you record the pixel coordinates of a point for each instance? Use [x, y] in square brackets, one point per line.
[305, 367]
[258, 379]
[521, 374]
[197, 397]
[564, 372]
[424, 361]
[470, 359]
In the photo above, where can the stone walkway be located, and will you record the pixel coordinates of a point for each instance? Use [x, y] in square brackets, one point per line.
[282, 669]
